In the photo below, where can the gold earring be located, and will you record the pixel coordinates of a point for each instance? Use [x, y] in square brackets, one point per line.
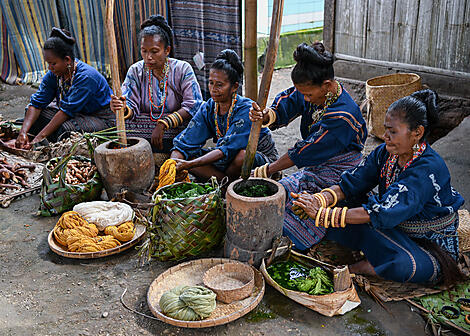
[415, 147]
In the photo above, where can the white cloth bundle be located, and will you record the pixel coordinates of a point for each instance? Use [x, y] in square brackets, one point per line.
[103, 214]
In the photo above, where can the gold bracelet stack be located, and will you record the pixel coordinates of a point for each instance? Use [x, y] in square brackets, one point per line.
[336, 220]
[272, 117]
[335, 197]
[172, 120]
[261, 171]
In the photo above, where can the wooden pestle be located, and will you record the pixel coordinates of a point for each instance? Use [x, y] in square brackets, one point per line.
[113, 61]
[264, 86]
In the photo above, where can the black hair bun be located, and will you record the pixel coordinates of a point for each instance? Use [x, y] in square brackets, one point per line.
[233, 59]
[429, 98]
[63, 34]
[155, 20]
[314, 54]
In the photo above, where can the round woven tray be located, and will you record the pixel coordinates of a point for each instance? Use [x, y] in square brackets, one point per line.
[57, 248]
[191, 273]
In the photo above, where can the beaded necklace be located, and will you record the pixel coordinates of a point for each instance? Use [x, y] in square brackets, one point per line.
[163, 86]
[229, 114]
[388, 170]
[319, 112]
[64, 85]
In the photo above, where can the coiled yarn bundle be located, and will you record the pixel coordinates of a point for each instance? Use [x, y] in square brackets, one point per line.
[78, 235]
[188, 303]
[167, 174]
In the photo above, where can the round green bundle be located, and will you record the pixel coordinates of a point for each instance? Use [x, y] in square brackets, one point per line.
[188, 303]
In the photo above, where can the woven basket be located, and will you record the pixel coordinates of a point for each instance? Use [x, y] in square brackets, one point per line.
[231, 281]
[184, 227]
[336, 303]
[58, 197]
[464, 231]
[382, 91]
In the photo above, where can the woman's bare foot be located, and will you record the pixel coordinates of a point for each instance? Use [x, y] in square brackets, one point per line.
[362, 267]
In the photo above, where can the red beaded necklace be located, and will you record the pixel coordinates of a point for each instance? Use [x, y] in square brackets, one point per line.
[229, 114]
[388, 170]
[163, 86]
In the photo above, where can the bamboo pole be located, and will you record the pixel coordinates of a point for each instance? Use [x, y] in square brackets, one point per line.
[113, 61]
[264, 86]
[251, 66]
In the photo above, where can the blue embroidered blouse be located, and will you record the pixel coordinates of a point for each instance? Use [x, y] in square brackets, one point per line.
[202, 127]
[419, 193]
[88, 94]
[341, 129]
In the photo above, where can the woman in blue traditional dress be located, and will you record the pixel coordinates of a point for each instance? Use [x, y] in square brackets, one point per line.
[161, 93]
[408, 231]
[225, 119]
[81, 96]
[332, 128]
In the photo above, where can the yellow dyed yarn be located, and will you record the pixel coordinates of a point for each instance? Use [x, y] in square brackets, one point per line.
[123, 232]
[72, 224]
[167, 174]
[91, 244]
[77, 235]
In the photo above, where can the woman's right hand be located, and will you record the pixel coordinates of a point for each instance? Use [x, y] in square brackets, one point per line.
[257, 114]
[116, 103]
[22, 141]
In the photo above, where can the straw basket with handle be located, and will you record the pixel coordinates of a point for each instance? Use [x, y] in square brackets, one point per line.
[382, 91]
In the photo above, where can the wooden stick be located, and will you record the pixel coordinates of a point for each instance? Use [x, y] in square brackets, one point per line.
[251, 66]
[264, 86]
[113, 61]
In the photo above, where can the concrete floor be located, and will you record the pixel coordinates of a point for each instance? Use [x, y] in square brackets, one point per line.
[42, 293]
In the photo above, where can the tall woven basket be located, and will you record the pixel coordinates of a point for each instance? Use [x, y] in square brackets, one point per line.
[382, 91]
[184, 227]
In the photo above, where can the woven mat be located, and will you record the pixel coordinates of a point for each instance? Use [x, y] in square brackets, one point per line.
[385, 290]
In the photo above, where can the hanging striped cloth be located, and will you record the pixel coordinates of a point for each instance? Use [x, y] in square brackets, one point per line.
[28, 24]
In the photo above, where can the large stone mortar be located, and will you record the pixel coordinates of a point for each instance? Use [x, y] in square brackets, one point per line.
[130, 168]
[253, 222]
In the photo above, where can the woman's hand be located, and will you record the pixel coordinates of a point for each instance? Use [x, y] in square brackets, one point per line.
[22, 141]
[116, 103]
[256, 114]
[182, 165]
[157, 136]
[305, 205]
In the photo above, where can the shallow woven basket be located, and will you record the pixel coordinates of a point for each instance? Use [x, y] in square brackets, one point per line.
[190, 274]
[464, 231]
[382, 91]
[231, 281]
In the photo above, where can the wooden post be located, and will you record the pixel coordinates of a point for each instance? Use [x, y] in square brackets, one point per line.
[329, 25]
[113, 61]
[264, 86]
[251, 66]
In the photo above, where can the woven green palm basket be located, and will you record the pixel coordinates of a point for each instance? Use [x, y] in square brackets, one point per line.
[58, 197]
[184, 227]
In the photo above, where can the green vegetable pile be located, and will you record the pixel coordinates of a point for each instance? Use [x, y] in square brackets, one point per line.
[186, 190]
[258, 190]
[293, 276]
